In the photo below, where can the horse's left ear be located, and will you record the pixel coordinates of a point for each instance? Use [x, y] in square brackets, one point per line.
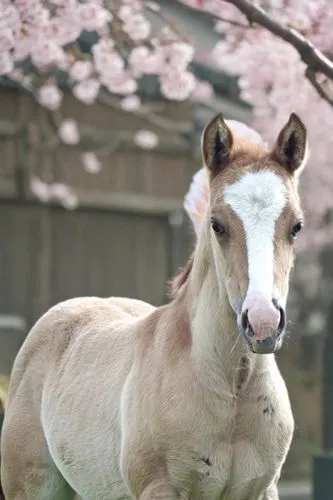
[291, 147]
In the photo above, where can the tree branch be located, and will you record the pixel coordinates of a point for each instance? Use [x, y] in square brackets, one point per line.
[232, 22]
[311, 76]
[145, 113]
[309, 54]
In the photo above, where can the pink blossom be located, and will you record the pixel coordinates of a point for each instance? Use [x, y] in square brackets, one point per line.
[69, 132]
[137, 27]
[145, 61]
[17, 75]
[64, 28]
[146, 139]
[71, 201]
[7, 40]
[121, 84]
[59, 190]
[40, 189]
[107, 60]
[125, 11]
[87, 90]
[129, 8]
[80, 70]
[103, 46]
[93, 16]
[9, 17]
[50, 96]
[178, 54]
[134, 22]
[30, 10]
[131, 103]
[23, 47]
[6, 63]
[177, 86]
[64, 194]
[47, 53]
[91, 163]
[203, 91]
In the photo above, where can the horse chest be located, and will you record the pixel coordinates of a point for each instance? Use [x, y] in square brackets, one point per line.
[236, 455]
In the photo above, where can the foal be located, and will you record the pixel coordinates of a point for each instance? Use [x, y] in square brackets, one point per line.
[115, 399]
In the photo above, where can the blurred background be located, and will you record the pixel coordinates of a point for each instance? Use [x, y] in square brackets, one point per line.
[102, 106]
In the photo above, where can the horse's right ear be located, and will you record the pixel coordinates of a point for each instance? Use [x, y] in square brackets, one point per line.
[216, 144]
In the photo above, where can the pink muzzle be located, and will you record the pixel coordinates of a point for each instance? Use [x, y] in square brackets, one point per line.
[262, 323]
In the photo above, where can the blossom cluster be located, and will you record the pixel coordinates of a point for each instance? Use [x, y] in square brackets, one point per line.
[45, 33]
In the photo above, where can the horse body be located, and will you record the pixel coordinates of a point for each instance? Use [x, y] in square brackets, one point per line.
[114, 399]
[225, 439]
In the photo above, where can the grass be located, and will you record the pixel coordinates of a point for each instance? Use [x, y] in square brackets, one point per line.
[4, 381]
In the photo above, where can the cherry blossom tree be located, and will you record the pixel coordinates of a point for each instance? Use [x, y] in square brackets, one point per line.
[279, 49]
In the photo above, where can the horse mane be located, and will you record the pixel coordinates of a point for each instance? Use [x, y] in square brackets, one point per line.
[180, 279]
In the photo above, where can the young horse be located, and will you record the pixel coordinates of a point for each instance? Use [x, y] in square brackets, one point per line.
[115, 399]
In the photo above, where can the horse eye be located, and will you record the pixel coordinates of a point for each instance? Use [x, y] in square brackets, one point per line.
[217, 227]
[296, 229]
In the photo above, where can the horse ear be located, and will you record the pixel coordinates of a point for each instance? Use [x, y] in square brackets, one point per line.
[216, 144]
[291, 146]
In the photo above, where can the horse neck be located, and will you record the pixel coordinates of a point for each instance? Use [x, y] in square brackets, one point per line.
[218, 350]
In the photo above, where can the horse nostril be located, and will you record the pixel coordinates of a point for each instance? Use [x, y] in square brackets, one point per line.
[282, 322]
[246, 324]
[244, 320]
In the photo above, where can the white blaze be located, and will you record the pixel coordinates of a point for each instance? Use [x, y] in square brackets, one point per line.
[258, 198]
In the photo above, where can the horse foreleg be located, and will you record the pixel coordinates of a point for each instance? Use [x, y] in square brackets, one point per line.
[153, 489]
[144, 475]
[271, 493]
[158, 490]
[27, 469]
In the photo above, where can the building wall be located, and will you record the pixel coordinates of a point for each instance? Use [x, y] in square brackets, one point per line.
[130, 177]
[126, 238]
[48, 254]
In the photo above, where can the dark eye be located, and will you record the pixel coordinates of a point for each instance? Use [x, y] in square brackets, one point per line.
[296, 229]
[217, 227]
